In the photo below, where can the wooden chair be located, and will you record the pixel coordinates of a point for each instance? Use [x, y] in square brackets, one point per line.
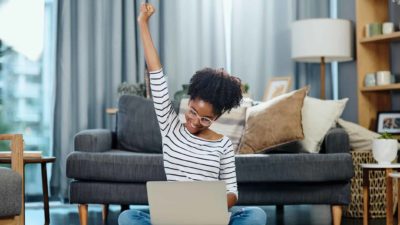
[17, 164]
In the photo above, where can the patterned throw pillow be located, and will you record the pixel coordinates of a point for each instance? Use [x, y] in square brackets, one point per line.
[229, 124]
[360, 137]
[273, 123]
[318, 117]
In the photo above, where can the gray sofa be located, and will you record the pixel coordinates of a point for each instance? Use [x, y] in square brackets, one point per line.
[112, 167]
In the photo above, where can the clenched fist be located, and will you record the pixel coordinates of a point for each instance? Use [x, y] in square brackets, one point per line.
[146, 11]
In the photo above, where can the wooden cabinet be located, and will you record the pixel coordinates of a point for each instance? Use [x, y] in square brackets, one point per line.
[373, 54]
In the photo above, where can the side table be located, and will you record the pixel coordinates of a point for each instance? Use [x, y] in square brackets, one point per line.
[389, 189]
[43, 161]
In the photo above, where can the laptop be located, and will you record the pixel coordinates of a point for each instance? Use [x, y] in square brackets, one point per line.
[188, 203]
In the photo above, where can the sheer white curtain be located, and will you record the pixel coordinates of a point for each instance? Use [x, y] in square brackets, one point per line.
[25, 33]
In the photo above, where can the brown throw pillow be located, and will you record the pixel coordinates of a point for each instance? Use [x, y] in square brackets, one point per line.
[272, 123]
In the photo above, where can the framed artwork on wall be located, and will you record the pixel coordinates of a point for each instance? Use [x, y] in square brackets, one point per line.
[388, 121]
[277, 86]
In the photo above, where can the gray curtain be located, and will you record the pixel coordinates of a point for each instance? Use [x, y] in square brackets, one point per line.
[309, 73]
[193, 38]
[256, 48]
[97, 49]
[261, 42]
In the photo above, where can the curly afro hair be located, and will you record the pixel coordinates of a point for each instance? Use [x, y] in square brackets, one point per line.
[216, 87]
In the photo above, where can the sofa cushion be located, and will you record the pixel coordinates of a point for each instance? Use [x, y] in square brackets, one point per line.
[10, 193]
[294, 167]
[137, 126]
[124, 166]
[360, 137]
[273, 123]
[325, 193]
[81, 192]
[319, 193]
[115, 166]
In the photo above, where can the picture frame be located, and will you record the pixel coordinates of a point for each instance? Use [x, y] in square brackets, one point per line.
[388, 121]
[277, 86]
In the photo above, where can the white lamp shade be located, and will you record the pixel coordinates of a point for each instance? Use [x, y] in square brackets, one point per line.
[316, 38]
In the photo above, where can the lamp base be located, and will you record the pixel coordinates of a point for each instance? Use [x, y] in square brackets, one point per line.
[322, 73]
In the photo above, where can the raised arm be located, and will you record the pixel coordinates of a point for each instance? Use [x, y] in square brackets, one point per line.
[158, 83]
[150, 52]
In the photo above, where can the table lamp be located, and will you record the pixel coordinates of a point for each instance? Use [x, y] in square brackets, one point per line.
[320, 41]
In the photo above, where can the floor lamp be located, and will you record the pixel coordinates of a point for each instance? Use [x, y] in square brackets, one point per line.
[321, 41]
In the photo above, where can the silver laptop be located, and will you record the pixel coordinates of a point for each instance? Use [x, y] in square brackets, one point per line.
[188, 203]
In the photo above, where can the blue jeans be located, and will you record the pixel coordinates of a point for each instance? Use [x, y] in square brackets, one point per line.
[240, 216]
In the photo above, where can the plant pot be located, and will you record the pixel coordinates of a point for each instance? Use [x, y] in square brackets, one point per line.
[384, 151]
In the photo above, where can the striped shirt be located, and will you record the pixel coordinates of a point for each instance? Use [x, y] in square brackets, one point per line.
[186, 156]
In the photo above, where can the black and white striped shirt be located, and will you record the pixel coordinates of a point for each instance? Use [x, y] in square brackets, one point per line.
[186, 156]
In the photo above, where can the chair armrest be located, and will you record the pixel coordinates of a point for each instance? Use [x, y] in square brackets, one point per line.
[94, 140]
[17, 164]
[17, 151]
[336, 141]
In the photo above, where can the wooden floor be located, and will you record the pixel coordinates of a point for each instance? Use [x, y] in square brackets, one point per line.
[65, 214]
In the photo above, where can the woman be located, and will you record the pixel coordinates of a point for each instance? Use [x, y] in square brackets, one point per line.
[192, 151]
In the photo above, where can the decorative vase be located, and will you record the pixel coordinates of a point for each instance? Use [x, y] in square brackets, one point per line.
[384, 151]
[182, 93]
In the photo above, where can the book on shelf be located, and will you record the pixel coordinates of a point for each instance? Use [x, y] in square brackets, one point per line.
[28, 154]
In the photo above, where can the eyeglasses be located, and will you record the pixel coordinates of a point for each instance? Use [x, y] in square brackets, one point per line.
[204, 121]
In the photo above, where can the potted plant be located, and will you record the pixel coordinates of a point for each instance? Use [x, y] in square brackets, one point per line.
[245, 89]
[384, 148]
[126, 88]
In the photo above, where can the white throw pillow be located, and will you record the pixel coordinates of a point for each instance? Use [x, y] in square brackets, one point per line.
[183, 108]
[318, 117]
[360, 137]
[231, 125]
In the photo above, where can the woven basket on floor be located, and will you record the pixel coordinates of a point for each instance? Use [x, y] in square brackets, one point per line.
[377, 189]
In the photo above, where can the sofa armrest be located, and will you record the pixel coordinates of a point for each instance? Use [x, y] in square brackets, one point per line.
[95, 140]
[336, 141]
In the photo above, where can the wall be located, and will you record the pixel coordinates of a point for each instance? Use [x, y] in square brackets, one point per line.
[348, 70]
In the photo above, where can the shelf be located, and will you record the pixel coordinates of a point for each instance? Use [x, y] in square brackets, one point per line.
[389, 87]
[380, 38]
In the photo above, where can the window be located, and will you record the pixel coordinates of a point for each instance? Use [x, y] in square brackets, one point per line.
[26, 81]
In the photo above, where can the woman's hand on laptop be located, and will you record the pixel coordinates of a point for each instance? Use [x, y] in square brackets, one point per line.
[231, 200]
